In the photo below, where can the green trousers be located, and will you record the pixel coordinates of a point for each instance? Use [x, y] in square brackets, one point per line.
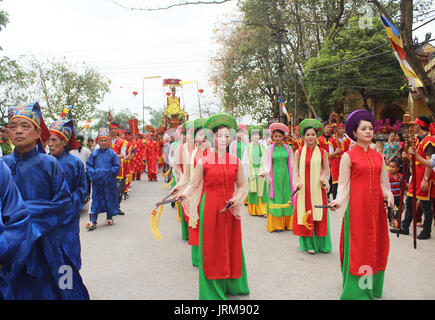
[358, 287]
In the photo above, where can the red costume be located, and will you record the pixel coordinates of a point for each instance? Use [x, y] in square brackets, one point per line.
[138, 162]
[151, 151]
[194, 232]
[222, 234]
[344, 146]
[117, 147]
[420, 170]
[128, 170]
[320, 227]
[324, 143]
[368, 226]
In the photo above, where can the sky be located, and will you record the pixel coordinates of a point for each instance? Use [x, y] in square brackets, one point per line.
[125, 45]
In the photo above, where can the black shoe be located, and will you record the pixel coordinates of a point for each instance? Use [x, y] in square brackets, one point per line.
[121, 213]
[401, 231]
[423, 236]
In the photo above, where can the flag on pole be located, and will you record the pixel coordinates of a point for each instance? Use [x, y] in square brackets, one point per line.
[284, 109]
[397, 44]
[87, 124]
[65, 111]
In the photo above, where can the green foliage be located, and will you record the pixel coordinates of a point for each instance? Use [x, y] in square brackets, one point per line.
[4, 19]
[378, 74]
[59, 84]
[156, 117]
[13, 83]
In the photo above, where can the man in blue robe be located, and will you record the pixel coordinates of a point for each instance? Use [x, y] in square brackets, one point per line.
[48, 272]
[15, 229]
[103, 167]
[61, 141]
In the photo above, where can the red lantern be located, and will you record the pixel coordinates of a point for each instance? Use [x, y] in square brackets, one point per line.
[201, 90]
[135, 93]
[168, 94]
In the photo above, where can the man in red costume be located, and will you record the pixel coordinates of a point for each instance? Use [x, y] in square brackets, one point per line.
[425, 180]
[151, 151]
[120, 147]
[324, 144]
[324, 138]
[138, 162]
[160, 144]
[131, 150]
[338, 145]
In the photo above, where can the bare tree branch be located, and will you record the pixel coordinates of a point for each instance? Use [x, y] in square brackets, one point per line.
[184, 3]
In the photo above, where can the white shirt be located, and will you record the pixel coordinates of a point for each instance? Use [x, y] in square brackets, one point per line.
[123, 149]
[83, 155]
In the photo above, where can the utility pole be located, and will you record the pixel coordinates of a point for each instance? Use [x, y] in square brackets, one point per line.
[279, 40]
[295, 117]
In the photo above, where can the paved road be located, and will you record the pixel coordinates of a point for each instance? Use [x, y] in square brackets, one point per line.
[124, 261]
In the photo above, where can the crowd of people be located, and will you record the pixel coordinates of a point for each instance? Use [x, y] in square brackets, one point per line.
[47, 175]
[295, 180]
[293, 177]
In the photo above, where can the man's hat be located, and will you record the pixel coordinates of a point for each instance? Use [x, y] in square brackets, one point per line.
[31, 112]
[432, 129]
[64, 129]
[103, 133]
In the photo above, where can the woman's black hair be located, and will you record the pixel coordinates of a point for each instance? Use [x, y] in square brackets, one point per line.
[215, 129]
[280, 131]
[359, 122]
[196, 130]
[307, 128]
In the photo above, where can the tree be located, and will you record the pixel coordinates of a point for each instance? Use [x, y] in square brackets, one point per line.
[156, 117]
[4, 19]
[13, 84]
[329, 78]
[405, 17]
[170, 4]
[264, 53]
[59, 84]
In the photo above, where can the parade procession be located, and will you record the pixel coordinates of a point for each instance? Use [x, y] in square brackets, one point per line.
[304, 170]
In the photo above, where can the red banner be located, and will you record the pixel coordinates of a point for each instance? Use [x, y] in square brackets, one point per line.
[133, 124]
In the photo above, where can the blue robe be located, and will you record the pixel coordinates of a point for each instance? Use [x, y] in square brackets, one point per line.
[78, 186]
[15, 228]
[48, 272]
[103, 167]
